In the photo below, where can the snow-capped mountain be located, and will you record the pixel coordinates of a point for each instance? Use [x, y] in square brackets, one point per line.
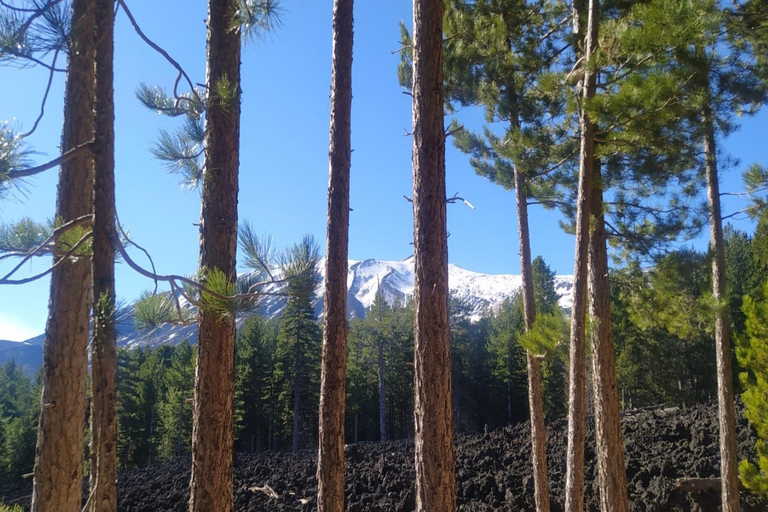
[395, 279]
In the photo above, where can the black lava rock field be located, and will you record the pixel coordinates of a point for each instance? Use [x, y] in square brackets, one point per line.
[493, 471]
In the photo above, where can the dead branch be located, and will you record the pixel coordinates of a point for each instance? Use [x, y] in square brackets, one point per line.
[71, 252]
[165, 55]
[45, 95]
[64, 158]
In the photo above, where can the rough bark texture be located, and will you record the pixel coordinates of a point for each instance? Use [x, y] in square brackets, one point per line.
[211, 482]
[330, 460]
[574, 486]
[434, 446]
[58, 476]
[725, 399]
[612, 475]
[535, 398]
[104, 346]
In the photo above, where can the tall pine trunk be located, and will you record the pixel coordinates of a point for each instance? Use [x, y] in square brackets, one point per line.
[211, 482]
[104, 346]
[574, 476]
[434, 445]
[612, 474]
[535, 400]
[725, 399]
[58, 479]
[330, 461]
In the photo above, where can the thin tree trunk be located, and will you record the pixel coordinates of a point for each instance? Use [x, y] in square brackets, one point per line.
[330, 460]
[725, 399]
[611, 471]
[151, 433]
[434, 444]
[574, 477]
[535, 400]
[211, 482]
[58, 479]
[382, 389]
[104, 346]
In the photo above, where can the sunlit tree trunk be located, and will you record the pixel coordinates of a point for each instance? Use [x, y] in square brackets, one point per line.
[574, 477]
[58, 479]
[725, 400]
[434, 445]
[211, 482]
[330, 461]
[611, 472]
[535, 399]
[104, 346]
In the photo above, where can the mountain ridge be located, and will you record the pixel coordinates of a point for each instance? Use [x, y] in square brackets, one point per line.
[480, 293]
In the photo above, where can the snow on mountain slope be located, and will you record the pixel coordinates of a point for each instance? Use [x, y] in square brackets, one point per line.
[395, 279]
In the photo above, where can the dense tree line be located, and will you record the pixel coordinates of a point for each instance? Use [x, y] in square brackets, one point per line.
[659, 314]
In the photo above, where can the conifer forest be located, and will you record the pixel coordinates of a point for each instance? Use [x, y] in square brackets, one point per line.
[297, 378]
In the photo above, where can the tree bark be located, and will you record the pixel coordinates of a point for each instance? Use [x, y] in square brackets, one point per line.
[104, 346]
[574, 476]
[725, 399]
[58, 474]
[330, 460]
[611, 471]
[535, 400]
[434, 444]
[211, 482]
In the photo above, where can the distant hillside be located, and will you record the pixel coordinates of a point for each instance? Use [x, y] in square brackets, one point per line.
[481, 292]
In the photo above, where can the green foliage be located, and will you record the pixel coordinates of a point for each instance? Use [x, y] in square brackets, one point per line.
[24, 235]
[217, 282]
[298, 350]
[10, 508]
[19, 402]
[257, 18]
[14, 156]
[254, 386]
[549, 333]
[752, 352]
[176, 409]
[664, 314]
[152, 310]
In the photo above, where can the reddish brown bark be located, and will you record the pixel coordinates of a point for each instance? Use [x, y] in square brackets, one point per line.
[434, 445]
[612, 475]
[574, 476]
[211, 482]
[104, 346]
[58, 480]
[726, 409]
[535, 399]
[330, 462]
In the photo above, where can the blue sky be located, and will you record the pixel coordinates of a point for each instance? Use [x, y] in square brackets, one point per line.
[284, 152]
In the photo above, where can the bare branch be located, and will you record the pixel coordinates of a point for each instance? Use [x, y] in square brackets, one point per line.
[69, 253]
[45, 96]
[64, 158]
[162, 52]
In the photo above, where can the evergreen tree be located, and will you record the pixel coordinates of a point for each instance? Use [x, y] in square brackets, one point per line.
[752, 350]
[254, 387]
[175, 410]
[298, 350]
[19, 402]
[330, 461]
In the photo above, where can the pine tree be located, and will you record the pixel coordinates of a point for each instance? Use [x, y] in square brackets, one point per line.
[298, 351]
[330, 462]
[435, 459]
[254, 400]
[175, 411]
[752, 351]
[59, 455]
[103, 449]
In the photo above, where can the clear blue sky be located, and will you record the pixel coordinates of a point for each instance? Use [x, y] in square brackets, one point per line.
[284, 152]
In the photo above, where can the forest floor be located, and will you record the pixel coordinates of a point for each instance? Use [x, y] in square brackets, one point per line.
[493, 471]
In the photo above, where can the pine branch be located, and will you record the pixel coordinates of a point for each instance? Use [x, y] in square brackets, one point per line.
[45, 95]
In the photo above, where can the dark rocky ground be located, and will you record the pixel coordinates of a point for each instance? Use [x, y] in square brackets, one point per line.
[493, 471]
